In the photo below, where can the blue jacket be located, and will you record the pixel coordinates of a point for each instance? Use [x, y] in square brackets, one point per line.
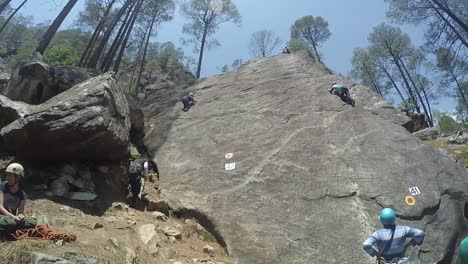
[381, 238]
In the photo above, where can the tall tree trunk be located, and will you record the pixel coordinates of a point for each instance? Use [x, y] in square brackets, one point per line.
[316, 53]
[4, 5]
[97, 31]
[142, 66]
[428, 104]
[451, 15]
[45, 41]
[105, 65]
[12, 15]
[460, 37]
[460, 89]
[405, 80]
[421, 100]
[202, 47]
[393, 82]
[140, 51]
[127, 37]
[93, 61]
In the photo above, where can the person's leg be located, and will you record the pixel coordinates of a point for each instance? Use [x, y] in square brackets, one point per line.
[186, 105]
[135, 185]
[28, 224]
[7, 224]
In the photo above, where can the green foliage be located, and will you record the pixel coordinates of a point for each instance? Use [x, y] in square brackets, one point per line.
[313, 31]
[205, 16]
[298, 45]
[61, 55]
[447, 124]
[441, 30]
[207, 236]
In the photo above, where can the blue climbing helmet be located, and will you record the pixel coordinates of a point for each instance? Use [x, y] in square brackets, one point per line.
[387, 216]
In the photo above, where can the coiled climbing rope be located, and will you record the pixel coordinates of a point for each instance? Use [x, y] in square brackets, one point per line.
[44, 232]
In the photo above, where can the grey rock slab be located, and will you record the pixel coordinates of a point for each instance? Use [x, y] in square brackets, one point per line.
[311, 172]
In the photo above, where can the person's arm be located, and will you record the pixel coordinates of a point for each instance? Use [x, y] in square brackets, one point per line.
[369, 244]
[21, 210]
[416, 235]
[4, 211]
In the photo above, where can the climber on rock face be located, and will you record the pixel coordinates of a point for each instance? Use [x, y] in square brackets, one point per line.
[388, 243]
[286, 50]
[342, 92]
[188, 101]
[137, 174]
[13, 200]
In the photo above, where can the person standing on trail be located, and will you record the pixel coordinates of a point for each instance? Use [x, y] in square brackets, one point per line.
[388, 243]
[342, 92]
[137, 174]
[188, 101]
[13, 200]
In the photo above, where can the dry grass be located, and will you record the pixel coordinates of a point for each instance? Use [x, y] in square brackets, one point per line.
[13, 252]
[460, 151]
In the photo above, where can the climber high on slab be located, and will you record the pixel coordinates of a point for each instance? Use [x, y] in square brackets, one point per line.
[342, 92]
[388, 243]
[188, 101]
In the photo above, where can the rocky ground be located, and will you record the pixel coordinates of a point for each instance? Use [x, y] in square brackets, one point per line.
[118, 234]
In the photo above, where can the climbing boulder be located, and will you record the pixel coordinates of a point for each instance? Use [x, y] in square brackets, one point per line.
[428, 133]
[35, 82]
[88, 121]
[306, 174]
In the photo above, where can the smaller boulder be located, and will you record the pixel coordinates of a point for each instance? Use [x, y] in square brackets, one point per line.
[149, 237]
[209, 250]
[427, 134]
[172, 232]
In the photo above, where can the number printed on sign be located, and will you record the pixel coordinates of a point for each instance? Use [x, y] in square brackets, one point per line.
[230, 166]
[414, 190]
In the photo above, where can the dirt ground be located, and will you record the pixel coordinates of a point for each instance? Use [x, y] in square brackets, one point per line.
[96, 224]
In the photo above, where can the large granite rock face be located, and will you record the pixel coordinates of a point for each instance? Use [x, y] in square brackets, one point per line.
[311, 172]
[35, 82]
[88, 121]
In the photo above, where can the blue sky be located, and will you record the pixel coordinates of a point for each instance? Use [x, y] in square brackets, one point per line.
[350, 22]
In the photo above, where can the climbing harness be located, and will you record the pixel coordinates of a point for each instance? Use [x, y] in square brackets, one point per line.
[44, 232]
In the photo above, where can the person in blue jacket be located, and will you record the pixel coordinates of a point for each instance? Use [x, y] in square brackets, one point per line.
[388, 244]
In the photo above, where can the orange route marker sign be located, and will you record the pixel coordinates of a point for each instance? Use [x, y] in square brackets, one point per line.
[410, 200]
[229, 156]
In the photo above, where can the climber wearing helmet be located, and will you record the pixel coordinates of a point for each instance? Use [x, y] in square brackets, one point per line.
[13, 200]
[390, 240]
[138, 173]
[342, 92]
[188, 101]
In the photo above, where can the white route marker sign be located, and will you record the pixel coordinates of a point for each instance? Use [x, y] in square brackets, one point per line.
[230, 166]
[414, 190]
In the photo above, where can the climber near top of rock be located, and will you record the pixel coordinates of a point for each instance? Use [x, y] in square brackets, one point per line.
[13, 200]
[390, 240]
[286, 50]
[137, 174]
[188, 101]
[342, 92]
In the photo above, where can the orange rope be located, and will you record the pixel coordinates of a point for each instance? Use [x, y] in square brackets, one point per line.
[44, 232]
